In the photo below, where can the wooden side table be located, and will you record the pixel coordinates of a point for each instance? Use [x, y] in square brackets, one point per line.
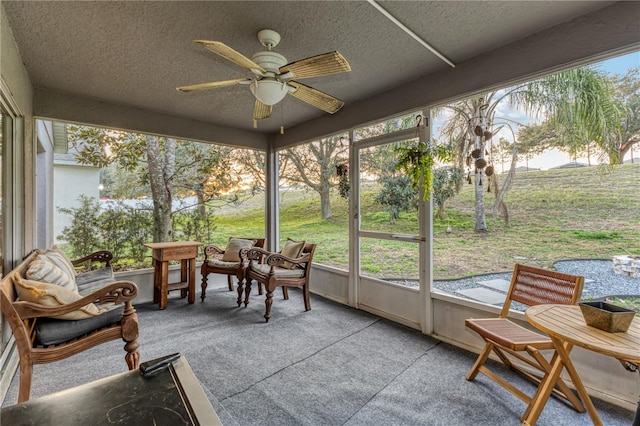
[186, 252]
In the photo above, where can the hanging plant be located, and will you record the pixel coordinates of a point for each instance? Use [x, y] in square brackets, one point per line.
[342, 170]
[417, 161]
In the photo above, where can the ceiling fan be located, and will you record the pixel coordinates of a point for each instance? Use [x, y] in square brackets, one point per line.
[274, 77]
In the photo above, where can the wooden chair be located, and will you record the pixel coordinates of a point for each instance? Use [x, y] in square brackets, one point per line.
[276, 270]
[214, 263]
[511, 342]
[41, 339]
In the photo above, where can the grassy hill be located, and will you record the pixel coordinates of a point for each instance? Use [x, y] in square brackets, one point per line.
[556, 214]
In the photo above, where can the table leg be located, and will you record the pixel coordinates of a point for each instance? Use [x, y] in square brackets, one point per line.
[577, 382]
[192, 280]
[157, 283]
[184, 269]
[164, 284]
[544, 389]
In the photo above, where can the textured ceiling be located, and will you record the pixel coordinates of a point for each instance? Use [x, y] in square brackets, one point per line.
[136, 53]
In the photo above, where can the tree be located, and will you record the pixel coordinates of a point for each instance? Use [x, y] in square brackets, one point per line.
[252, 162]
[534, 139]
[581, 107]
[628, 93]
[575, 102]
[396, 195]
[446, 181]
[203, 170]
[198, 169]
[502, 151]
[470, 128]
[82, 234]
[162, 166]
[314, 165]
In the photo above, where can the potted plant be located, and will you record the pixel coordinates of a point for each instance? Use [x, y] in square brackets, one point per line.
[342, 170]
[417, 161]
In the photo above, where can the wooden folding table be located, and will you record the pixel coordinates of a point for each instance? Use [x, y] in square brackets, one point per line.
[566, 327]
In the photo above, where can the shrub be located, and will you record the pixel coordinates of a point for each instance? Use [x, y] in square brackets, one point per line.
[119, 228]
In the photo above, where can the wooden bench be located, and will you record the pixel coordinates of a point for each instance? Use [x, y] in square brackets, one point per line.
[30, 322]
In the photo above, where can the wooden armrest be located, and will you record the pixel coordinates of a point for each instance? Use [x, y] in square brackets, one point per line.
[277, 259]
[118, 292]
[254, 253]
[212, 250]
[104, 256]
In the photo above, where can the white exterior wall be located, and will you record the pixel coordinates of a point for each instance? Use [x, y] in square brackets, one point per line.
[69, 182]
[44, 184]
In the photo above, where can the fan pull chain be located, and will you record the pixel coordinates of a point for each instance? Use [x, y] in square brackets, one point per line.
[281, 119]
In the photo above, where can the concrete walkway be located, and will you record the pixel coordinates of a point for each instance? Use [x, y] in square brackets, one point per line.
[492, 292]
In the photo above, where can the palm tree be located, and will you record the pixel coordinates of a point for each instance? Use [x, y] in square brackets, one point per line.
[576, 102]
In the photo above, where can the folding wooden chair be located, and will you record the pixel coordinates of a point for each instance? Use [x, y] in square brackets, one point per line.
[509, 341]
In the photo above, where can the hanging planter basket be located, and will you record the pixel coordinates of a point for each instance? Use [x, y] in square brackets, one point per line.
[342, 170]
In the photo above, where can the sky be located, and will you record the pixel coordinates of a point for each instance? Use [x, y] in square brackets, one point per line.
[553, 158]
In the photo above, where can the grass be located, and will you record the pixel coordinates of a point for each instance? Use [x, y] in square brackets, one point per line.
[555, 214]
[632, 303]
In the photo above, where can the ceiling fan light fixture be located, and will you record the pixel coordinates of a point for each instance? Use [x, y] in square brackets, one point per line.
[269, 91]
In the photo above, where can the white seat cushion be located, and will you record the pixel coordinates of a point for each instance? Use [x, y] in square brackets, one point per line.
[279, 272]
[215, 263]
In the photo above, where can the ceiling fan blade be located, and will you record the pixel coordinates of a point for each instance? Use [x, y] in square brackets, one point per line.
[261, 111]
[212, 85]
[325, 64]
[230, 54]
[315, 97]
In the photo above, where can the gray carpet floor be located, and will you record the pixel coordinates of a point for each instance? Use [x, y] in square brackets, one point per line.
[333, 365]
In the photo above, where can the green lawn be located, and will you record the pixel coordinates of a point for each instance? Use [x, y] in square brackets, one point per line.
[556, 214]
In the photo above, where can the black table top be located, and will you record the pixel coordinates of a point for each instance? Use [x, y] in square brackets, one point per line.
[169, 395]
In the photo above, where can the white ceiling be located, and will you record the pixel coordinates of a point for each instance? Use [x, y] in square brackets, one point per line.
[135, 53]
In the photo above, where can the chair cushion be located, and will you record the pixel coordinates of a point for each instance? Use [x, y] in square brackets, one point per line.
[215, 263]
[279, 272]
[43, 270]
[292, 249]
[232, 252]
[52, 295]
[50, 331]
[94, 279]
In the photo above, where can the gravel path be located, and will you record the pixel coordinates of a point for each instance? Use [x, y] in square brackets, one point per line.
[600, 280]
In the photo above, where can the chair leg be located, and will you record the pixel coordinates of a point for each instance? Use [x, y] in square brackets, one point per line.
[480, 361]
[247, 291]
[563, 390]
[285, 293]
[268, 302]
[260, 291]
[130, 336]
[230, 282]
[240, 291]
[204, 284]
[307, 302]
[26, 372]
